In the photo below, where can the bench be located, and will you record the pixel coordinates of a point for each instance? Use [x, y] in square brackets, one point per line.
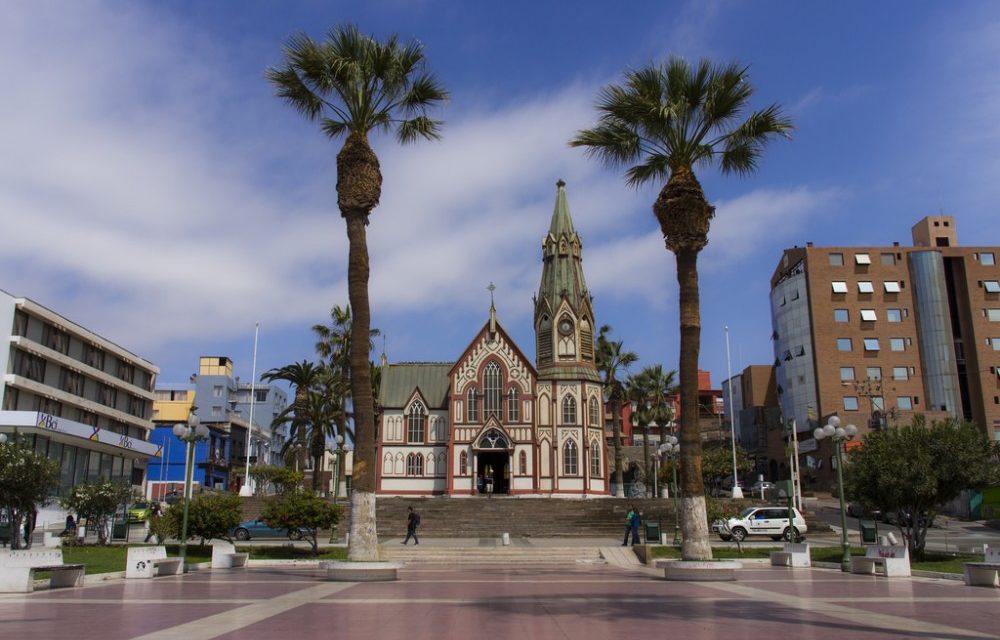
[17, 569]
[146, 562]
[699, 571]
[792, 555]
[894, 560]
[986, 573]
[225, 556]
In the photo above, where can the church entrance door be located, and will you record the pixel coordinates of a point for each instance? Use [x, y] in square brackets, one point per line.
[493, 472]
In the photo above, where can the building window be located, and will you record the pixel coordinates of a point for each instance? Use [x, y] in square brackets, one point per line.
[850, 403]
[862, 258]
[891, 286]
[94, 357]
[846, 374]
[55, 339]
[894, 315]
[72, 382]
[216, 412]
[492, 385]
[996, 343]
[986, 259]
[887, 259]
[49, 406]
[595, 460]
[868, 315]
[20, 323]
[897, 344]
[839, 286]
[878, 403]
[871, 344]
[513, 406]
[905, 403]
[841, 315]
[570, 455]
[108, 395]
[136, 406]
[472, 406]
[126, 371]
[260, 395]
[864, 286]
[463, 463]
[595, 412]
[30, 366]
[844, 344]
[414, 465]
[415, 421]
[217, 391]
[569, 410]
[900, 373]
[836, 259]
[993, 315]
[522, 463]
[991, 286]
[873, 373]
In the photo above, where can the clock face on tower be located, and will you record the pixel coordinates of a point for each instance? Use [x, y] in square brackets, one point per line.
[565, 327]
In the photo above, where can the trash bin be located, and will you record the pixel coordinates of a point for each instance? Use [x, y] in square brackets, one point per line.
[652, 532]
[869, 532]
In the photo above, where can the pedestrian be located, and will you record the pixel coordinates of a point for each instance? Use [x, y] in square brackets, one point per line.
[412, 522]
[70, 526]
[154, 512]
[636, 521]
[628, 524]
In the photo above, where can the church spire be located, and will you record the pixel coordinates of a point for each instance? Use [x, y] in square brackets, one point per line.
[564, 316]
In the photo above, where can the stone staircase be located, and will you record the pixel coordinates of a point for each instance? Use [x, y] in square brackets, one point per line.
[490, 554]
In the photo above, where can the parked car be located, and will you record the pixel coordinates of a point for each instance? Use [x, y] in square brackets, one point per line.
[761, 521]
[260, 529]
[140, 512]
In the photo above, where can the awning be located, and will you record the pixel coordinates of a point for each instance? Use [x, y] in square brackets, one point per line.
[76, 433]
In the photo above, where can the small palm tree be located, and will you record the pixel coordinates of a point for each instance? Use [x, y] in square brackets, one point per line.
[354, 84]
[659, 124]
[612, 362]
[638, 390]
[304, 376]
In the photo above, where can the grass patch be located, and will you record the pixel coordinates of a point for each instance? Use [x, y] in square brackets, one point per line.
[933, 560]
[719, 553]
[285, 552]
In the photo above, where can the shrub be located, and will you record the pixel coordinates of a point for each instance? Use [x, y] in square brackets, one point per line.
[303, 511]
[210, 515]
[97, 502]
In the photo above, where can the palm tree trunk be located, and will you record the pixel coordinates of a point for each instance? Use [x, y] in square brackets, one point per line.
[616, 427]
[645, 460]
[363, 545]
[694, 518]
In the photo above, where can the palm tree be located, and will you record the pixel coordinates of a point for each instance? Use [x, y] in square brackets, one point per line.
[661, 387]
[638, 390]
[660, 123]
[304, 376]
[612, 361]
[354, 84]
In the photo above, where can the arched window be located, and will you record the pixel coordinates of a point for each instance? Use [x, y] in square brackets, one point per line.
[472, 402]
[569, 410]
[463, 464]
[492, 384]
[595, 460]
[570, 467]
[522, 463]
[414, 465]
[595, 412]
[513, 410]
[415, 423]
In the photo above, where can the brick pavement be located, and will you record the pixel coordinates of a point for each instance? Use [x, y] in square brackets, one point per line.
[547, 600]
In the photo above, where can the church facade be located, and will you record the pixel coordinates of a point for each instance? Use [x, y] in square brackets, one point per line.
[494, 421]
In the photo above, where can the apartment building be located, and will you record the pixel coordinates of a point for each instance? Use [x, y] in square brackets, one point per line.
[269, 402]
[80, 398]
[878, 334]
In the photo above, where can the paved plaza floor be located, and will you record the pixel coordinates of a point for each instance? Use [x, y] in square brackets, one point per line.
[546, 600]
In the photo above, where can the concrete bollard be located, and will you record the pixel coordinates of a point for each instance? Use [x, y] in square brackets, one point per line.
[506, 539]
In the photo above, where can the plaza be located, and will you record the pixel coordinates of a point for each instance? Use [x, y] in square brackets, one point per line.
[555, 599]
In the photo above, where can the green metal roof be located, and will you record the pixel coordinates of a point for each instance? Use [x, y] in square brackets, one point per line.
[400, 380]
[562, 268]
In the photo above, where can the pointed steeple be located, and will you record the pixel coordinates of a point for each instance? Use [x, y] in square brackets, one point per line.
[564, 315]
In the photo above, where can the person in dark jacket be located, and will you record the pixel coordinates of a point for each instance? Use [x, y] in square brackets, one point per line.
[630, 527]
[412, 522]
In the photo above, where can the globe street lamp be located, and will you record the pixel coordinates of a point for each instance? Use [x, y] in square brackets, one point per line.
[671, 449]
[190, 433]
[839, 435]
[3, 438]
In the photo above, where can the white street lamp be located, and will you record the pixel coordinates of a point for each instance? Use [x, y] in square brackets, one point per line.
[190, 433]
[3, 438]
[839, 435]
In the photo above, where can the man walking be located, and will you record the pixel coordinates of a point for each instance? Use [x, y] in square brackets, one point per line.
[412, 522]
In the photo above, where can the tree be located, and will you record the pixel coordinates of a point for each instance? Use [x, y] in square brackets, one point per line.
[914, 469]
[210, 515]
[26, 479]
[637, 391]
[97, 502]
[354, 84]
[717, 463]
[660, 123]
[304, 376]
[612, 362]
[281, 478]
[302, 512]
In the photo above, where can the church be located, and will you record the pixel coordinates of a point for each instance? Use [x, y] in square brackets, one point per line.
[494, 422]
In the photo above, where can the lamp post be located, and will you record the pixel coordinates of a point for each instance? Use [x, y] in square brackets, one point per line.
[190, 433]
[3, 438]
[838, 435]
[671, 449]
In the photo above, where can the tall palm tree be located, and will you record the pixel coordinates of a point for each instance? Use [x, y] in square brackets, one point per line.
[304, 376]
[354, 84]
[660, 123]
[638, 389]
[612, 362]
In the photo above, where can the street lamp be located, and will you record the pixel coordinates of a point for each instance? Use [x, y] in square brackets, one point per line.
[3, 438]
[839, 435]
[190, 433]
[671, 449]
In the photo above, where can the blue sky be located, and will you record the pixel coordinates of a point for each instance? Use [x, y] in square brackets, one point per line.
[153, 189]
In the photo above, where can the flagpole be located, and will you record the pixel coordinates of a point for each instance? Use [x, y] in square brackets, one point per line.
[245, 489]
[737, 491]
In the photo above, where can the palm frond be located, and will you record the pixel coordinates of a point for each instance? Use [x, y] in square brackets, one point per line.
[652, 168]
[416, 128]
[290, 87]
